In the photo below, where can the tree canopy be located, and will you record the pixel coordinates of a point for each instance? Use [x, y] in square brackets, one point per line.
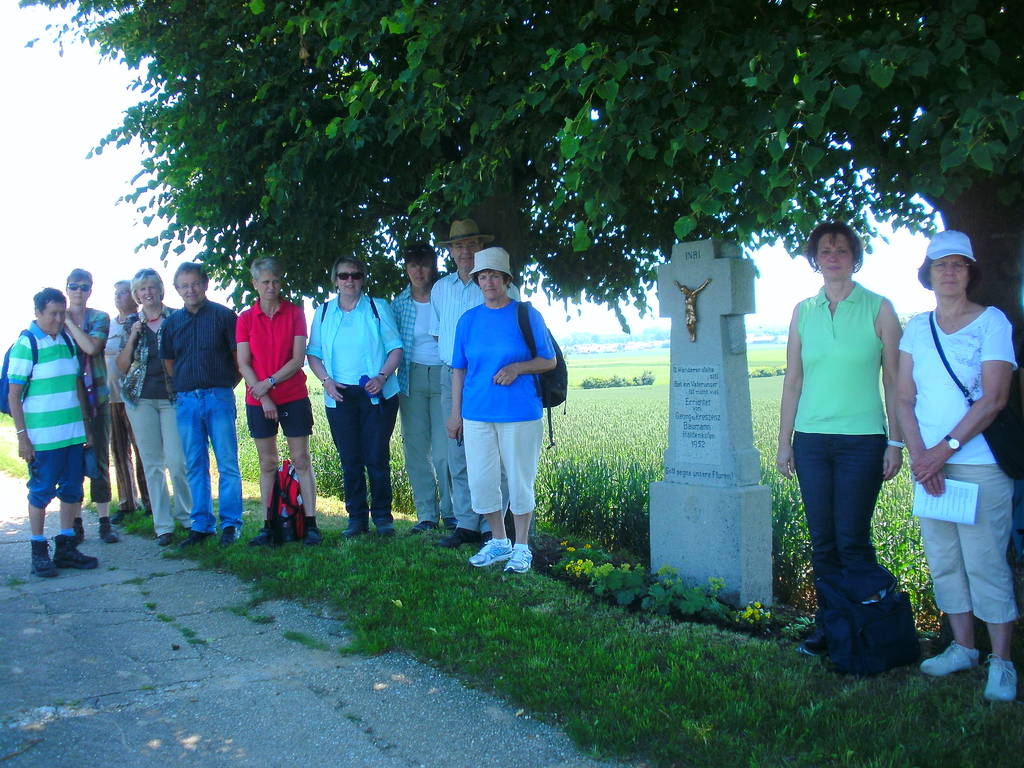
[590, 134]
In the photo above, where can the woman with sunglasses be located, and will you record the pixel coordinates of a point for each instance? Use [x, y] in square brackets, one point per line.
[355, 349]
[90, 328]
[146, 392]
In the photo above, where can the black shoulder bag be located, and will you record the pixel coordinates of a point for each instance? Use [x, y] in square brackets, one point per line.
[1005, 435]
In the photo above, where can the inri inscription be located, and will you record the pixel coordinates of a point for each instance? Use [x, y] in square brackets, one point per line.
[698, 413]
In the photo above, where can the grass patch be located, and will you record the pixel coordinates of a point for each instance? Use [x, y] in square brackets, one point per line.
[621, 683]
[136, 580]
[151, 605]
[14, 581]
[303, 639]
[245, 611]
[165, 617]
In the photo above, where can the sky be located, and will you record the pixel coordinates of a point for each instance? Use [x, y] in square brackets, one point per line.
[59, 210]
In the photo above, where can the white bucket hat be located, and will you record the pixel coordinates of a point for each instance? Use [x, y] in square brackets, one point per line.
[492, 258]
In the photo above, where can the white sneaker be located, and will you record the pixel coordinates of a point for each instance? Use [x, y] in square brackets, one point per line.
[1002, 680]
[953, 659]
[521, 560]
[493, 551]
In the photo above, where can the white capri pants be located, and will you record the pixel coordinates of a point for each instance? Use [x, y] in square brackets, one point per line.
[968, 562]
[491, 445]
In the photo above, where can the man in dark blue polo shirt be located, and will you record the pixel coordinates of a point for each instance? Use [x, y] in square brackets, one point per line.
[198, 348]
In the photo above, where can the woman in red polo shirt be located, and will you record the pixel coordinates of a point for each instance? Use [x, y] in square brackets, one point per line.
[271, 338]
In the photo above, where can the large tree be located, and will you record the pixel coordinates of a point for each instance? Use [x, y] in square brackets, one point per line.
[591, 134]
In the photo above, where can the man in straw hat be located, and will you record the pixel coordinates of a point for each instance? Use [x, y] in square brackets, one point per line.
[452, 295]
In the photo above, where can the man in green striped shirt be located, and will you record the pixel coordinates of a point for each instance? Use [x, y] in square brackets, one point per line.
[47, 401]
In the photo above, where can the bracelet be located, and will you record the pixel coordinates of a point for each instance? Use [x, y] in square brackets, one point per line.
[383, 374]
[20, 431]
[896, 444]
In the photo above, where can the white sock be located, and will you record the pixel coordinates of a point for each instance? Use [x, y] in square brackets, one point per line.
[522, 546]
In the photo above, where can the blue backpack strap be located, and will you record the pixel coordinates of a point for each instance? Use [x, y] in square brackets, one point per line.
[35, 345]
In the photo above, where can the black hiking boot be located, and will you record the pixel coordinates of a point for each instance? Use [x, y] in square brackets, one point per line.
[312, 536]
[79, 530]
[106, 532]
[42, 565]
[66, 555]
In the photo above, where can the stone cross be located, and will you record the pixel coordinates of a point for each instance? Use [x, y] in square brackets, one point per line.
[710, 517]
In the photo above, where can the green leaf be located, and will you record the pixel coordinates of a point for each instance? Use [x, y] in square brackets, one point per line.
[257, 6]
[608, 90]
[811, 156]
[848, 97]
[575, 53]
[569, 146]
[332, 128]
[881, 73]
[982, 157]
[684, 226]
[580, 237]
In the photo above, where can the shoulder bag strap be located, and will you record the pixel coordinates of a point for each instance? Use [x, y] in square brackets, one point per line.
[945, 362]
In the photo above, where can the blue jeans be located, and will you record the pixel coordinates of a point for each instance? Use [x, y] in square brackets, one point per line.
[208, 416]
[362, 435]
[840, 477]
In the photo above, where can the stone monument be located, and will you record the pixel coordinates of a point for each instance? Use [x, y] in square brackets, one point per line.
[710, 517]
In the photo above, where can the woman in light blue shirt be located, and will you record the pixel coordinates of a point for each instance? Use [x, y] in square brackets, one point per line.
[355, 349]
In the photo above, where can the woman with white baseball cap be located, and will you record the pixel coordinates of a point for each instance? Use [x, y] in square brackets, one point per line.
[943, 433]
[496, 407]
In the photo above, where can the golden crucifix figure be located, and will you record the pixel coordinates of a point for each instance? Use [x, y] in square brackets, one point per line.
[690, 299]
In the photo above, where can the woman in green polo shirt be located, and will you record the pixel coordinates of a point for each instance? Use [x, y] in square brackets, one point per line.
[832, 430]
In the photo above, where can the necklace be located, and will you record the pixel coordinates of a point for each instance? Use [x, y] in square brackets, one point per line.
[152, 319]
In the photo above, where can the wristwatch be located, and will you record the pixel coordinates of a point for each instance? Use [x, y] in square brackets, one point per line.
[952, 442]
[272, 380]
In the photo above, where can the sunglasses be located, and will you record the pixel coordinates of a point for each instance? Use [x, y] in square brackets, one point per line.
[80, 287]
[349, 275]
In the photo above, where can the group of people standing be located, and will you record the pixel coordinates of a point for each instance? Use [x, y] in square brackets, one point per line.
[448, 354]
[842, 445]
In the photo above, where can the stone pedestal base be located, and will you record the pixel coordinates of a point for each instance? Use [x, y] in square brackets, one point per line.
[706, 531]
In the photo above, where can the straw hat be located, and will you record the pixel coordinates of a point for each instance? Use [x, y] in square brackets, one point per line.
[464, 229]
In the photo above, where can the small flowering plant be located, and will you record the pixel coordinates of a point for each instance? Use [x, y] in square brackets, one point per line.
[753, 615]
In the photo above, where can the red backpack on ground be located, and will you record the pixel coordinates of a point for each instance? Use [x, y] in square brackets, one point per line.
[287, 513]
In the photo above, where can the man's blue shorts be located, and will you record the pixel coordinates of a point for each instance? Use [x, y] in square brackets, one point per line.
[58, 472]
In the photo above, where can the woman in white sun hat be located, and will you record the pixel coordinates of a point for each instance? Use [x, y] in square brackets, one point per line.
[496, 407]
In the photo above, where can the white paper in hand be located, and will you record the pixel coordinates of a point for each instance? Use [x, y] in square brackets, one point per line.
[957, 505]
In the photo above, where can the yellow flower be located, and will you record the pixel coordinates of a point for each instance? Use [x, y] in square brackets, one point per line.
[570, 549]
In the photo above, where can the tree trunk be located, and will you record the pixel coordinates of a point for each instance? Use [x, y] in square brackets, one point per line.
[997, 236]
[500, 216]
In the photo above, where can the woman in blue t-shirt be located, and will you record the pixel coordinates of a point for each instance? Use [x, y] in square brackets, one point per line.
[496, 407]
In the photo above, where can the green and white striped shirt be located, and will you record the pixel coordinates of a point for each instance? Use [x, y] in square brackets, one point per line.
[53, 413]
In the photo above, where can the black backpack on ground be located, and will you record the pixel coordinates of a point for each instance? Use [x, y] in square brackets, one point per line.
[865, 638]
[553, 385]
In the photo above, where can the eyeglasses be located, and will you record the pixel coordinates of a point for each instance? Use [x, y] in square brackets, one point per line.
[349, 275]
[80, 287]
